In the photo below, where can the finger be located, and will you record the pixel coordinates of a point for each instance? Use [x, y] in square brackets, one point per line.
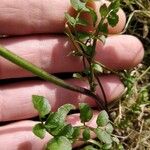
[16, 98]
[52, 54]
[19, 136]
[36, 16]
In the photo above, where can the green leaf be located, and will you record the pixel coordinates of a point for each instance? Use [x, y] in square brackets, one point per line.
[89, 50]
[120, 147]
[82, 22]
[41, 105]
[107, 146]
[89, 147]
[109, 128]
[75, 4]
[39, 130]
[103, 136]
[114, 5]
[76, 133]
[103, 10]
[57, 130]
[86, 134]
[57, 119]
[113, 19]
[103, 28]
[83, 35]
[70, 19]
[78, 5]
[67, 131]
[53, 121]
[93, 15]
[85, 112]
[60, 143]
[102, 119]
[115, 139]
[97, 67]
[65, 109]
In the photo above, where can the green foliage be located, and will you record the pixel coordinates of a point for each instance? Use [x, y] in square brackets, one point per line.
[93, 15]
[39, 130]
[70, 19]
[41, 105]
[114, 6]
[67, 131]
[55, 122]
[86, 134]
[83, 35]
[132, 121]
[85, 112]
[85, 44]
[102, 119]
[89, 147]
[103, 28]
[78, 5]
[59, 143]
[113, 19]
[82, 22]
[76, 133]
[103, 136]
[107, 146]
[64, 134]
[109, 128]
[104, 10]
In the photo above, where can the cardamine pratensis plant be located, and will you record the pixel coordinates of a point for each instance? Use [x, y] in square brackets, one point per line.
[64, 134]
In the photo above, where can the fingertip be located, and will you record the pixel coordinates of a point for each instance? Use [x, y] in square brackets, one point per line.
[138, 50]
[132, 51]
[20, 135]
[120, 52]
[113, 87]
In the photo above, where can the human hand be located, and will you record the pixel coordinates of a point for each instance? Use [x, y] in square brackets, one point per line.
[50, 52]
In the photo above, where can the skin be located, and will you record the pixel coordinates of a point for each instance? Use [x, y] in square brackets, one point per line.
[50, 52]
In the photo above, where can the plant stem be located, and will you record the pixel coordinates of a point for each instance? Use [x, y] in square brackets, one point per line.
[103, 92]
[68, 32]
[46, 76]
